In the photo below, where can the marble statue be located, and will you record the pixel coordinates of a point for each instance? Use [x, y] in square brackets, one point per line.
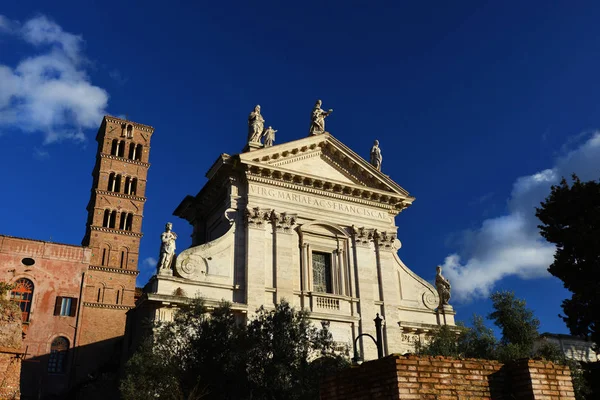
[167, 248]
[443, 287]
[269, 136]
[376, 155]
[317, 123]
[256, 124]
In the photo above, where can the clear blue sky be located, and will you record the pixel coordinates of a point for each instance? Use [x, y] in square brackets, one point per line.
[478, 106]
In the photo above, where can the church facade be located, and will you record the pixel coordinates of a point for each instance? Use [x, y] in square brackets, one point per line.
[310, 222]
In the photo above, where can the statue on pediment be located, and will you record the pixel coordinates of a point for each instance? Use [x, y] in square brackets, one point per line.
[376, 155]
[443, 287]
[317, 123]
[167, 250]
[256, 124]
[269, 136]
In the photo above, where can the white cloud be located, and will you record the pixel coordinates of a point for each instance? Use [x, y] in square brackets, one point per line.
[510, 245]
[49, 92]
[150, 262]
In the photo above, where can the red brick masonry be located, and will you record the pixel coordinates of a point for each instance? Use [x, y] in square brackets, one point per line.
[440, 378]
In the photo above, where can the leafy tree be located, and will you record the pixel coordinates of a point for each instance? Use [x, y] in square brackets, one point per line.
[570, 218]
[518, 324]
[278, 355]
[460, 341]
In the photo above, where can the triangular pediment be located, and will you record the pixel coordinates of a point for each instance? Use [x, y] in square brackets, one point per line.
[325, 159]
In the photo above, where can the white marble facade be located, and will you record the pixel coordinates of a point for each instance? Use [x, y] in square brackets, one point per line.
[311, 222]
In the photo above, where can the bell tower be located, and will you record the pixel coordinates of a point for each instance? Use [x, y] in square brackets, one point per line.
[113, 232]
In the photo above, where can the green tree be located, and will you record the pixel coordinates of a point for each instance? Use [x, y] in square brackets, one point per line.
[278, 355]
[570, 218]
[518, 325]
[460, 341]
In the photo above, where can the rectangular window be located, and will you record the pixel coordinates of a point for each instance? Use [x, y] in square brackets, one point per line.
[65, 306]
[321, 264]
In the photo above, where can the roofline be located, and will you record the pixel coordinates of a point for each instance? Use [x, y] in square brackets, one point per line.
[44, 241]
[130, 121]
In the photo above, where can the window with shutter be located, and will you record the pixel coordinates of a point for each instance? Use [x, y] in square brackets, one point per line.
[65, 306]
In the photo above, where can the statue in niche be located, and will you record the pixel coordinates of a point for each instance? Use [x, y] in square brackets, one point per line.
[269, 136]
[376, 155]
[443, 287]
[256, 124]
[317, 123]
[167, 248]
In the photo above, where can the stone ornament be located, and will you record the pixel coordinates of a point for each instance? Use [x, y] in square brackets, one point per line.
[317, 121]
[376, 156]
[256, 124]
[167, 250]
[443, 287]
[269, 136]
[385, 239]
[257, 218]
[283, 222]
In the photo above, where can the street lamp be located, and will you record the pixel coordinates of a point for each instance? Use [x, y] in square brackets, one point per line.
[378, 342]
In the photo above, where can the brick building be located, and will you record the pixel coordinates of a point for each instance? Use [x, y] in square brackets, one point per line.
[74, 298]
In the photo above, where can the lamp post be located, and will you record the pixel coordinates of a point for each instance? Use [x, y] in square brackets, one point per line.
[378, 342]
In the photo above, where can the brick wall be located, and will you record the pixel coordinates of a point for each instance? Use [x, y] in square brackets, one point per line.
[439, 378]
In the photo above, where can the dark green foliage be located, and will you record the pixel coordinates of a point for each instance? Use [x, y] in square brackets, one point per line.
[518, 325]
[460, 341]
[278, 355]
[570, 218]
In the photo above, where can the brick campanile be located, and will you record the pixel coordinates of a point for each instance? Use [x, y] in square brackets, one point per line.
[113, 232]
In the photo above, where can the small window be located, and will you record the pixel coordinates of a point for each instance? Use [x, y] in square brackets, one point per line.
[322, 281]
[58, 355]
[65, 306]
[129, 131]
[28, 261]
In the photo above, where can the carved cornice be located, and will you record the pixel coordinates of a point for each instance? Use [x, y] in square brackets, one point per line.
[116, 270]
[136, 125]
[308, 186]
[125, 160]
[110, 306]
[121, 195]
[117, 231]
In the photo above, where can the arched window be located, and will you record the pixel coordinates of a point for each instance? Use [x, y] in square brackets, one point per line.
[106, 220]
[111, 182]
[123, 258]
[113, 218]
[114, 150]
[117, 185]
[138, 152]
[22, 294]
[122, 148]
[105, 254]
[133, 186]
[58, 355]
[127, 186]
[100, 295]
[132, 151]
[123, 221]
[129, 223]
[130, 131]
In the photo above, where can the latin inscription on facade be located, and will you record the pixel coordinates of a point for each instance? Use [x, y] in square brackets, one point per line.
[328, 204]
